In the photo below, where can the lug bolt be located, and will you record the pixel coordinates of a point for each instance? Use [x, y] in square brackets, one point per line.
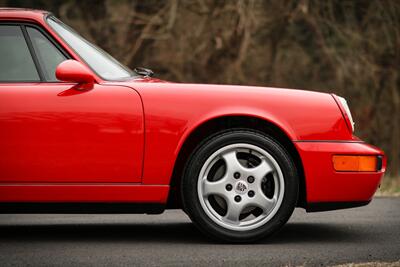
[228, 187]
[238, 198]
[250, 179]
[236, 175]
[251, 193]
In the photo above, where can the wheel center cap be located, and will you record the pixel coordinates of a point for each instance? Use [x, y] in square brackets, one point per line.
[241, 187]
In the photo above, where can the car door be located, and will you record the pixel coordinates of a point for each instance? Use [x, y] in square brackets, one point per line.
[53, 133]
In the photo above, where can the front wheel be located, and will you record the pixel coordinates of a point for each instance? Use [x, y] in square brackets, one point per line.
[239, 186]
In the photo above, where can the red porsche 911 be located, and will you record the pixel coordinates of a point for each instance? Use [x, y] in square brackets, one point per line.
[81, 133]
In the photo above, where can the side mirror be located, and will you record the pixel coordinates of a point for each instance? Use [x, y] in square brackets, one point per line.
[73, 71]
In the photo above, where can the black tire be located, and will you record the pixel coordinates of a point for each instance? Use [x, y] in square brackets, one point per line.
[189, 191]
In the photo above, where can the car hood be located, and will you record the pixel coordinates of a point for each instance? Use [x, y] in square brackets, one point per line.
[211, 89]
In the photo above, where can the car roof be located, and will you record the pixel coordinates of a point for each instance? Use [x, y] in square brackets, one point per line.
[21, 13]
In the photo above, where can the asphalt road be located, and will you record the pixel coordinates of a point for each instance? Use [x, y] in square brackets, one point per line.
[370, 233]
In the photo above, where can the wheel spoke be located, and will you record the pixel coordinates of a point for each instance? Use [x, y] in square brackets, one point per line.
[262, 169]
[232, 162]
[233, 212]
[214, 188]
[264, 203]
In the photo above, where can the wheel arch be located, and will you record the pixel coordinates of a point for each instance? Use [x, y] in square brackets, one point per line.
[228, 122]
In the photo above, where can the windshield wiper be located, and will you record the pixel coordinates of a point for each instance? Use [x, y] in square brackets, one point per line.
[144, 72]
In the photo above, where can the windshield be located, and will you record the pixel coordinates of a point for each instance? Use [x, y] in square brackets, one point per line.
[98, 60]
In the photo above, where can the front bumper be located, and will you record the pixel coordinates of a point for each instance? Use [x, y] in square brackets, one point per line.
[327, 189]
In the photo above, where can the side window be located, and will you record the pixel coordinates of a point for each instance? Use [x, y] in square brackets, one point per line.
[16, 63]
[48, 55]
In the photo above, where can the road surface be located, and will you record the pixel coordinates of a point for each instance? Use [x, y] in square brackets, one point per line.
[370, 233]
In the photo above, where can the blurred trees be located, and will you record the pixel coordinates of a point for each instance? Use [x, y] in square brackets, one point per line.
[351, 48]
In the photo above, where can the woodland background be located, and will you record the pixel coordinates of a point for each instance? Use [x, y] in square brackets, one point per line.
[351, 48]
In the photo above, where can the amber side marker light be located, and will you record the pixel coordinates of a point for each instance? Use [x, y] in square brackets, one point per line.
[350, 163]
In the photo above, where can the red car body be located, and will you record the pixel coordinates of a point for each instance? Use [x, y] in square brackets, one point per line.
[126, 141]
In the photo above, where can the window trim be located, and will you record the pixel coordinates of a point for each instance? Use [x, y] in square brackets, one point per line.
[32, 52]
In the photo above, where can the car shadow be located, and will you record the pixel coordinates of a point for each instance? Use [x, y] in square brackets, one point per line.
[166, 233]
